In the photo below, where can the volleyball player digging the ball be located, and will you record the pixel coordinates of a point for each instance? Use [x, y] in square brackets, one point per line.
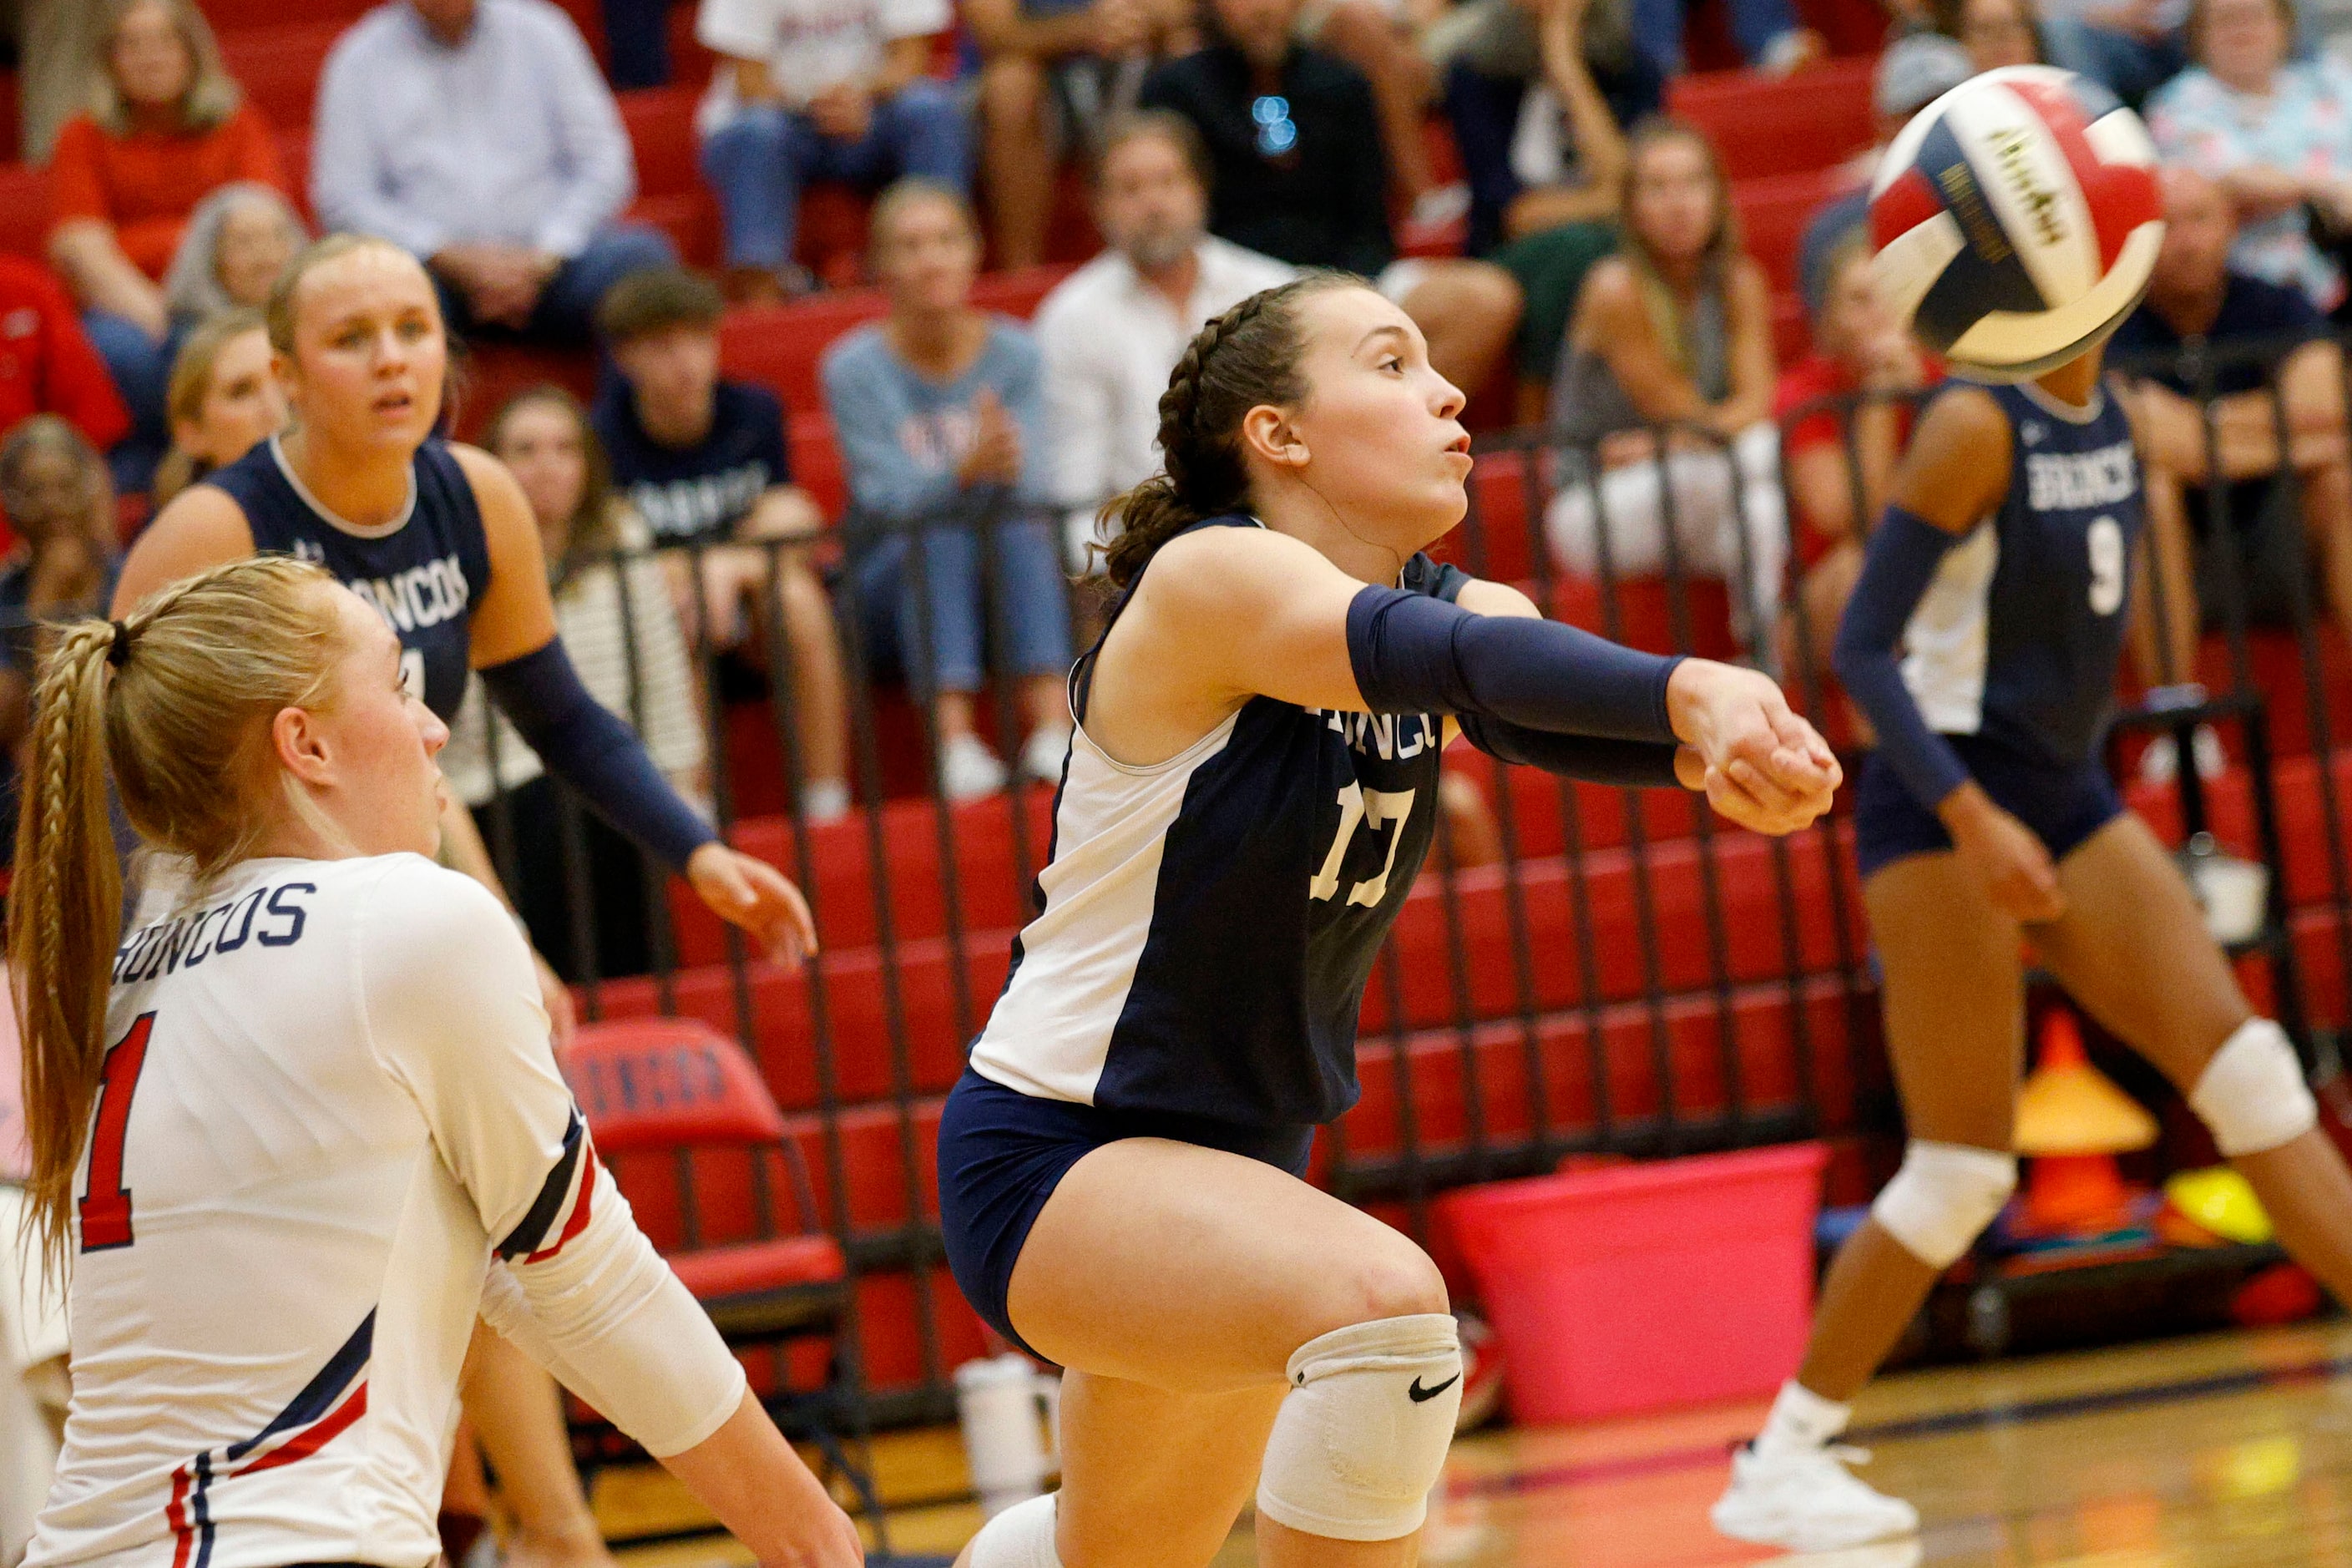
[1247, 798]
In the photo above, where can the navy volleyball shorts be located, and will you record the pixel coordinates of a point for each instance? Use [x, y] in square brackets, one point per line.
[1002, 1153]
[2063, 806]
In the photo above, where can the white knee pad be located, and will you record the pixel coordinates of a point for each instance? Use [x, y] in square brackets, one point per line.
[2253, 1094]
[1020, 1537]
[1942, 1197]
[1362, 1435]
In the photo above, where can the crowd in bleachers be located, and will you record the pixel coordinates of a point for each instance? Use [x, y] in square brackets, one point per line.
[639, 192]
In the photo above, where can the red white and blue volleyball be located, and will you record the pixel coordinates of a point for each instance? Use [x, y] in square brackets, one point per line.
[2016, 220]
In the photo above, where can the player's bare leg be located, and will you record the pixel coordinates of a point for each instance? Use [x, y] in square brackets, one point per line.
[1180, 1281]
[2133, 949]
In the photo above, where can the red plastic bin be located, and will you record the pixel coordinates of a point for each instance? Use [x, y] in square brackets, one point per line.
[1639, 1287]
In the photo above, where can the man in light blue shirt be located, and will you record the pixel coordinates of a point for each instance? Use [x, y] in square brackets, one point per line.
[477, 135]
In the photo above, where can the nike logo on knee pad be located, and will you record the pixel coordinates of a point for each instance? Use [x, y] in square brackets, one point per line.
[1421, 1396]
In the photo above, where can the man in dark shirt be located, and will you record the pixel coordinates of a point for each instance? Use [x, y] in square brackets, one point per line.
[2207, 331]
[1295, 145]
[704, 463]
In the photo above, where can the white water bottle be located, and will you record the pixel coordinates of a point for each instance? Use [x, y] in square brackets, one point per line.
[1002, 1402]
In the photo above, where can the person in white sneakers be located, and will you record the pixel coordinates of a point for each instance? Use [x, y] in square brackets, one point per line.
[1985, 823]
[940, 410]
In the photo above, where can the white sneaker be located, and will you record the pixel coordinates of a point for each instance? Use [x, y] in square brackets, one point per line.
[1043, 752]
[969, 770]
[824, 801]
[2160, 762]
[1807, 1500]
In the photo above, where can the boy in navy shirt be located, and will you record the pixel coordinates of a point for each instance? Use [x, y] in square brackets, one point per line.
[704, 463]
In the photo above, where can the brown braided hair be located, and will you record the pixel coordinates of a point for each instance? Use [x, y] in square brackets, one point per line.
[1246, 357]
[172, 704]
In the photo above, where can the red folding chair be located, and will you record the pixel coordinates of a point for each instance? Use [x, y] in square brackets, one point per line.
[681, 1118]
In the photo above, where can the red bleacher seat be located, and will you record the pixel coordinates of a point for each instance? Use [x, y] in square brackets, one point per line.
[1779, 126]
[660, 122]
[279, 67]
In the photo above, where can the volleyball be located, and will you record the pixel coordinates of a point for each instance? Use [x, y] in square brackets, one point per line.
[2016, 220]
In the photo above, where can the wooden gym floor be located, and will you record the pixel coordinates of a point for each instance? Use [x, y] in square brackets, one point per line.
[2227, 1451]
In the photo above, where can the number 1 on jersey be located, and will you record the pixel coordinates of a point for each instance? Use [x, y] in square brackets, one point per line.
[106, 1204]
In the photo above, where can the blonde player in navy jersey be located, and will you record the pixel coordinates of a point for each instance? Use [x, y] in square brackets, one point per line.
[1247, 799]
[1984, 824]
[290, 1137]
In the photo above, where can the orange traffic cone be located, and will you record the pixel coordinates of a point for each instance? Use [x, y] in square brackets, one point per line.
[2073, 1122]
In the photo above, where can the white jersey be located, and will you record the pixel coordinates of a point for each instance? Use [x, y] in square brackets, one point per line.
[328, 1103]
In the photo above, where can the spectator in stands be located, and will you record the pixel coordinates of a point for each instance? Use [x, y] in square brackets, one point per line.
[2275, 132]
[1110, 333]
[2130, 47]
[225, 400]
[636, 43]
[1841, 462]
[46, 363]
[1676, 329]
[2204, 315]
[1055, 71]
[240, 239]
[53, 46]
[1996, 33]
[940, 414]
[1540, 142]
[1294, 140]
[1911, 73]
[60, 504]
[633, 659]
[1767, 33]
[819, 89]
[165, 127]
[706, 462]
[477, 135]
[1537, 91]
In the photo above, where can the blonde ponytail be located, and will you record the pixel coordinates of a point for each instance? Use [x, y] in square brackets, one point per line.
[170, 704]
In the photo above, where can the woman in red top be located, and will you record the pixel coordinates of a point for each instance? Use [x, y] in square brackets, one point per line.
[166, 126]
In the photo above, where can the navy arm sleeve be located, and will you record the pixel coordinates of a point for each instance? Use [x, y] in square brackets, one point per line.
[585, 746]
[1641, 765]
[1903, 553]
[1414, 654]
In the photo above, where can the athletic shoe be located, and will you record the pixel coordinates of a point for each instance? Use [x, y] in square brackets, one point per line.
[969, 770]
[824, 801]
[1041, 756]
[2160, 762]
[1807, 1500]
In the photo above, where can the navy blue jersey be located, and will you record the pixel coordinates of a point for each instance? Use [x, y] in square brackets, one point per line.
[423, 570]
[2018, 637]
[697, 493]
[1207, 924]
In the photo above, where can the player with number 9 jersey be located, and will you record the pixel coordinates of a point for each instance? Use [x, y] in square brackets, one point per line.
[1983, 641]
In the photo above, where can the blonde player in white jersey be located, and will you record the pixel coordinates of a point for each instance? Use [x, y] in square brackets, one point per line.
[291, 1136]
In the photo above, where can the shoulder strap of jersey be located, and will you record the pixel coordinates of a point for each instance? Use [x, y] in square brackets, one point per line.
[1082, 673]
[262, 493]
[443, 486]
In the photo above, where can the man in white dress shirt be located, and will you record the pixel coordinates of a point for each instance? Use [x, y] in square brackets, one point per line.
[1114, 329]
